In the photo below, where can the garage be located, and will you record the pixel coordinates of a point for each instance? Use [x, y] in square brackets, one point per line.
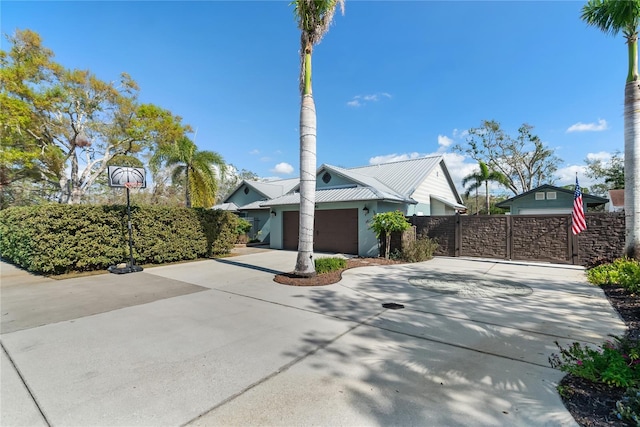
[334, 231]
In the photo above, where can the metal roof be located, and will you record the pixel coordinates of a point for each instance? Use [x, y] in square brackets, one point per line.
[269, 189]
[350, 194]
[402, 176]
[253, 205]
[232, 207]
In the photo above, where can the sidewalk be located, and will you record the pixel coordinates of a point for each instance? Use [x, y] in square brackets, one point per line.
[217, 342]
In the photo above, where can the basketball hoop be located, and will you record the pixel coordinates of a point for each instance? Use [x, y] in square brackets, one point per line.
[133, 186]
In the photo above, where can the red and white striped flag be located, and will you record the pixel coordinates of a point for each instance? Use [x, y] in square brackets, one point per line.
[578, 223]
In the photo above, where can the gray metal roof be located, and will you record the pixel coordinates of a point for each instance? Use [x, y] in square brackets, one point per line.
[269, 189]
[232, 207]
[253, 205]
[402, 176]
[338, 195]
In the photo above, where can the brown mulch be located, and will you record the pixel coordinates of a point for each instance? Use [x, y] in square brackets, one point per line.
[591, 404]
[332, 277]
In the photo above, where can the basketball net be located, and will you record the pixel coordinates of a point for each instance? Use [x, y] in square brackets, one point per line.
[135, 186]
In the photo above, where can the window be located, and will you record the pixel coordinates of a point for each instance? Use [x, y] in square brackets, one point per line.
[551, 195]
[246, 190]
[326, 177]
[539, 195]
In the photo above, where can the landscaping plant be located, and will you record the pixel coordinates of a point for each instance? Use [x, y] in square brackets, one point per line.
[386, 223]
[325, 265]
[624, 272]
[419, 250]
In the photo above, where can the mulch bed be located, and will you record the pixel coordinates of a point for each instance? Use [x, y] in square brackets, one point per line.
[332, 277]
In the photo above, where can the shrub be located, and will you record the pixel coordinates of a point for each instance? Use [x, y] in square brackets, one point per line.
[243, 226]
[325, 265]
[624, 272]
[628, 408]
[615, 363]
[387, 222]
[419, 250]
[55, 239]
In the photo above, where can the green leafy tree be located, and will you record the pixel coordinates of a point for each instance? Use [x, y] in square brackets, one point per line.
[482, 176]
[613, 17]
[193, 168]
[383, 224]
[75, 121]
[610, 172]
[523, 160]
[314, 18]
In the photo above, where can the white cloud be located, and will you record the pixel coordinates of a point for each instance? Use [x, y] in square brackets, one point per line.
[265, 159]
[388, 158]
[360, 100]
[460, 133]
[283, 168]
[444, 142]
[459, 167]
[603, 156]
[254, 152]
[589, 127]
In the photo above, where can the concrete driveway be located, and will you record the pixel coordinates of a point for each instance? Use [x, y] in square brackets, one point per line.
[217, 342]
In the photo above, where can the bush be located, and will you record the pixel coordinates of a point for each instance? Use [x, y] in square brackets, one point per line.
[419, 250]
[386, 223]
[615, 363]
[56, 239]
[628, 408]
[325, 265]
[624, 272]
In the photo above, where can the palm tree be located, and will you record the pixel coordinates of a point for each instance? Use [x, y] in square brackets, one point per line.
[192, 167]
[611, 17]
[484, 175]
[314, 18]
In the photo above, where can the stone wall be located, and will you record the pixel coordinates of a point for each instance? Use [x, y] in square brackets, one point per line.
[545, 238]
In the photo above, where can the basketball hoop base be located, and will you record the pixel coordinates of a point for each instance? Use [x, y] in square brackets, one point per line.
[124, 270]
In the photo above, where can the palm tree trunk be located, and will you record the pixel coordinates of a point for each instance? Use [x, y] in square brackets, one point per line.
[631, 165]
[187, 188]
[477, 203]
[305, 264]
[486, 190]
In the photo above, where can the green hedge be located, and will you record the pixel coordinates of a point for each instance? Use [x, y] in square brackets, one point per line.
[56, 239]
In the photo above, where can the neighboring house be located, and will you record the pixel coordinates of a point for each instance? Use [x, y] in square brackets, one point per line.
[548, 199]
[347, 199]
[245, 201]
[616, 201]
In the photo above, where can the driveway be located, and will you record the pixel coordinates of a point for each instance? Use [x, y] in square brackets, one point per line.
[217, 342]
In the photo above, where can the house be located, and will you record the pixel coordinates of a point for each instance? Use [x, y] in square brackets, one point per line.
[616, 200]
[245, 201]
[347, 199]
[548, 199]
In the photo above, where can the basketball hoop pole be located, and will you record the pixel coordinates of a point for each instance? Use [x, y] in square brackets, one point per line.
[130, 230]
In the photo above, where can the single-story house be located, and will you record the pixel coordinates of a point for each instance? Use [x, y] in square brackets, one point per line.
[616, 200]
[548, 199]
[347, 199]
[245, 201]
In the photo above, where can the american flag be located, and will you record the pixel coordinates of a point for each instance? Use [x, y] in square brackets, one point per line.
[578, 222]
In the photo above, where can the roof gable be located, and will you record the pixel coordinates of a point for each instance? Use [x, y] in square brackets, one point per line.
[589, 199]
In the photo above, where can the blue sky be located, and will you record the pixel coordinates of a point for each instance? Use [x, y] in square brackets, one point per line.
[392, 79]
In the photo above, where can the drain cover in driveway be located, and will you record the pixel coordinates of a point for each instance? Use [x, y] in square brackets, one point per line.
[392, 305]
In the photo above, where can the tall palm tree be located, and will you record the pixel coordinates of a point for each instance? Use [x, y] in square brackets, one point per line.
[196, 169]
[314, 18]
[483, 176]
[611, 17]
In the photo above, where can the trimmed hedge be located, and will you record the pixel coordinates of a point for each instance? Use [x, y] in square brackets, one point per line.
[56, 239]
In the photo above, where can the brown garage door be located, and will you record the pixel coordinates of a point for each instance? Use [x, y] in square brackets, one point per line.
[334, 231]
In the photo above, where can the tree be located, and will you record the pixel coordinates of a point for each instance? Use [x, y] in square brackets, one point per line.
[386, 223]
[75, 121]
[524, 161]
[612, 17]
[230, 180]
[484, 175]
[611, 172]
[314, 18]
[193, 168]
